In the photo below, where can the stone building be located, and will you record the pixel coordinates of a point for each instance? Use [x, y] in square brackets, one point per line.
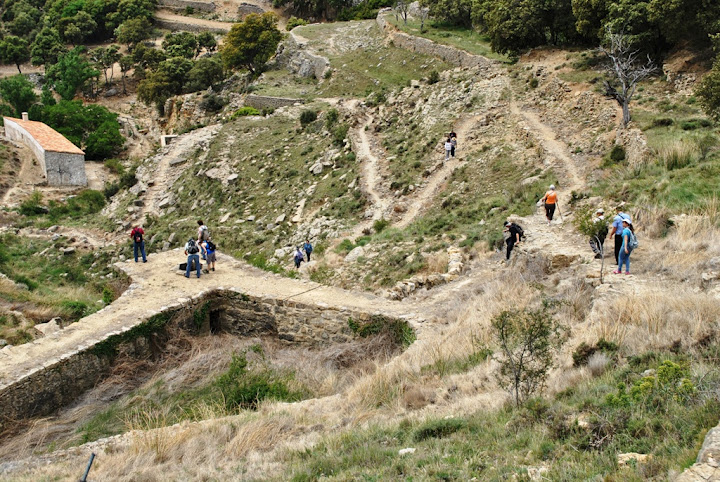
[62, 161]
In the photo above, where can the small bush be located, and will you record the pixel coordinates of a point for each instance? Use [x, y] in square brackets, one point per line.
[331, 118]
[615, 156]
[439, 429]
[340, 134]
[295, 22]
[245, 389]
[75, 309]
[433, 77]
[33, 205]
[345, 246]
[307, 117]
[380, 224]
[662, 122]
[114, 166]
[533, 82]
[244, 111]
[212, 103]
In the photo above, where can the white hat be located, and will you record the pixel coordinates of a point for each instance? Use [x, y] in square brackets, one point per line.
[552, 186]
[599, 211]
[627, 220]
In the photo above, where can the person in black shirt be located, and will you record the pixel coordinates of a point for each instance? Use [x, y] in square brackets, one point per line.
[513, 239]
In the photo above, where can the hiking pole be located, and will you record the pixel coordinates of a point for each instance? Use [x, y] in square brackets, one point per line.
[557, 206]
[87, 470]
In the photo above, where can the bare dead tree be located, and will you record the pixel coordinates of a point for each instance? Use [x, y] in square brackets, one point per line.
[626, 69]
[423, 14]
[403, 7]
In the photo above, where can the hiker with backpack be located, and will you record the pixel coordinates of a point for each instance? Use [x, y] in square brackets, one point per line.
[448, 148]
[598, 240]
[629, 244]
[550, 202]
[617, 229]
[210, 248]
[203, 234]
[298, 257]
[516, 234]
[192, 250]
[308, 249]
[137, 235]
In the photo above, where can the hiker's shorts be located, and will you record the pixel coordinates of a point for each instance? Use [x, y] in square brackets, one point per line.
[549, 210]
[211, 257]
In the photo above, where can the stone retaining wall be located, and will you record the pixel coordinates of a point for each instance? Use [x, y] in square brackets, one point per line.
[247, 8]
[267, 102]
[61, 381]
[183, 4]
[188, 27]
[449, 54]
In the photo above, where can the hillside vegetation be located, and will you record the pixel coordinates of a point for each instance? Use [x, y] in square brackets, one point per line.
[618, 377]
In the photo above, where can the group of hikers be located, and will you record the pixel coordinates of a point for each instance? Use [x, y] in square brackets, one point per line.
[195, 249]
[298, 256]
[450, 145]
[621, 230]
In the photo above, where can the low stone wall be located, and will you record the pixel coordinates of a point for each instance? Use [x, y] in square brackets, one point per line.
[188, 27]
[267, 102]
[421, 45]
[291, 55]
[248, 8]
[183, 4]
[61, 381]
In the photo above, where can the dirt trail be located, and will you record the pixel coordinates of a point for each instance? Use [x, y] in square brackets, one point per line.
[555, 148]
[162, 175]
[434, 183]
[30, 175]
[372, 168]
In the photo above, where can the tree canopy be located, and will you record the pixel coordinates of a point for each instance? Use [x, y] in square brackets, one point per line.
[14, 50]
[18, 92]
[251, 43]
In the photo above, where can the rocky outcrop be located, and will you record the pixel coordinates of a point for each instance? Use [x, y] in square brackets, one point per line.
[293, 56]
[634, 141]
[456, 267]
[707, 464]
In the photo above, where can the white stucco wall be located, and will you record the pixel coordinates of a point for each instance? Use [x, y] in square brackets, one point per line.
[60, 168]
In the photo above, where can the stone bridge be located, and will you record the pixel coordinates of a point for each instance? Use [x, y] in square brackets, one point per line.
[42, 376]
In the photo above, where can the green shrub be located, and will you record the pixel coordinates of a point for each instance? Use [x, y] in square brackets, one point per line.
[244, 111]
[33, 205]
[114, 166]
[662, 122]
[213, 102]
[345, 246]
[107, 295]
[380, 224]
[439, 428]
[75, 309]
[307, 117]
[615, 156]
[433, 77]
[245, 389]
[533, 82]
[340, 134]
[331, 118]
[295, 22]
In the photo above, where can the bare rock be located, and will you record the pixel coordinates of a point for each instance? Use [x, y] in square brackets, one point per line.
[353, 255]
[49, 328]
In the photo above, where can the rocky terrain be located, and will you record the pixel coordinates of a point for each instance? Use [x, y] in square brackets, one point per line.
[398, 230]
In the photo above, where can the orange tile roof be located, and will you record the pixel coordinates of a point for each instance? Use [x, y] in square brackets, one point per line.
[50, 139]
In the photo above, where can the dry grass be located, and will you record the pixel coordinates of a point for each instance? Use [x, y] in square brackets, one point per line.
[655, 318]
[677, 154]
[437, 263]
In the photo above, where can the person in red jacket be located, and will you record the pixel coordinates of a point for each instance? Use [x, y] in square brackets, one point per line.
[138, 235]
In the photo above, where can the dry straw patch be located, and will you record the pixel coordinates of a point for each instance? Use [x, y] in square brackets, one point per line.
[655, 318]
